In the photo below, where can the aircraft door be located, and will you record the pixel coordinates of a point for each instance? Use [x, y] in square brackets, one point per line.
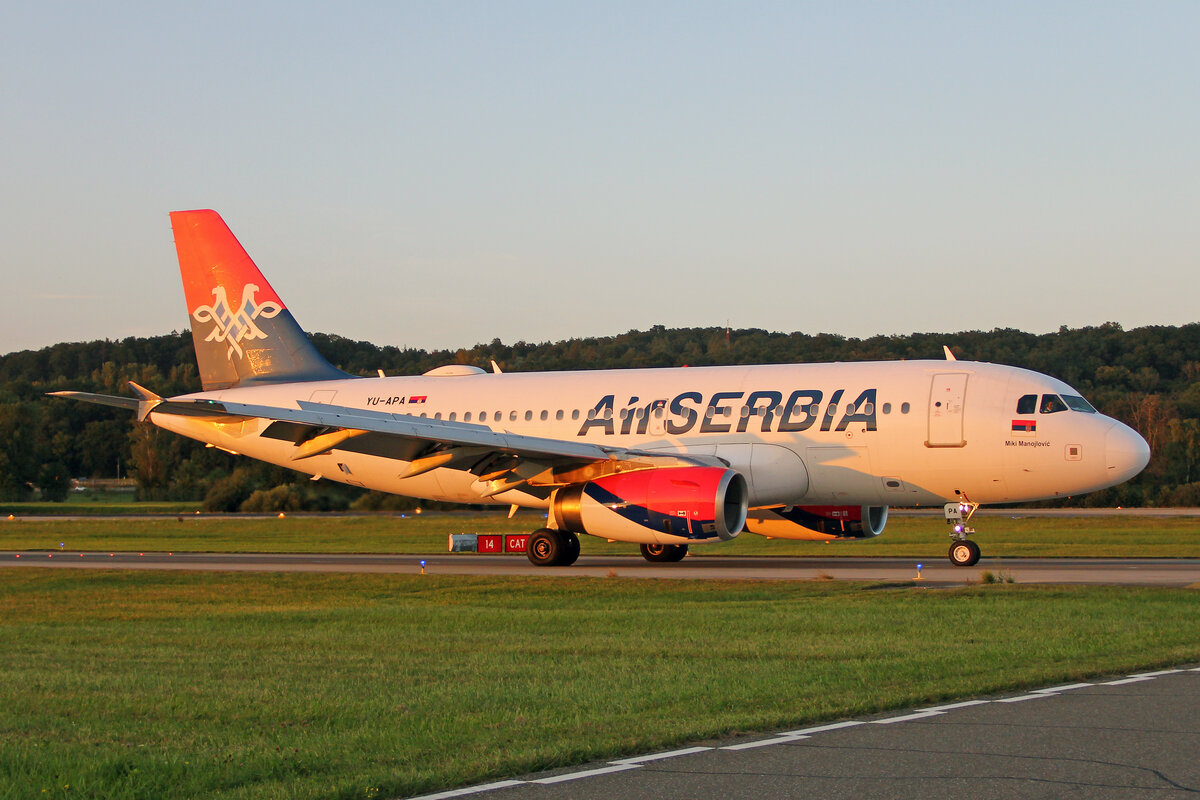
[658, 412]
[947, 395]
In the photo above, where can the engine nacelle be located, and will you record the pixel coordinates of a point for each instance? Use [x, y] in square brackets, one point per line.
[664, 505]
[818, 523]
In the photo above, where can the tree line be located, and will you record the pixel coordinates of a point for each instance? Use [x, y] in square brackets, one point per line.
[1147, 377]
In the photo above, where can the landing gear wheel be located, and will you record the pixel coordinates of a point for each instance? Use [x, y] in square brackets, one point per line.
[570, 549]
[550, 548]
[662, 553]
[964, 553]
[545, 547]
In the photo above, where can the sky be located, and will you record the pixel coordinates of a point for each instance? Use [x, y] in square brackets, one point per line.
[439, 174]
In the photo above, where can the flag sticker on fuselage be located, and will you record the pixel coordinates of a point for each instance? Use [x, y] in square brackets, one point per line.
[1024, 426]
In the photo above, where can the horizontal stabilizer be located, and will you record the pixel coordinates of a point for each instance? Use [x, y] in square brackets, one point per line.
[182, 408]
[130, 403]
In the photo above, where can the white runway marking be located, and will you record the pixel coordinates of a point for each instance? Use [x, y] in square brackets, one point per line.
[1066, 688]
[487, 787]
[687, 751]
[833, 726]
[907, 717]
[587, 773]
[1022, 698]
[764, 742]
[953, 706]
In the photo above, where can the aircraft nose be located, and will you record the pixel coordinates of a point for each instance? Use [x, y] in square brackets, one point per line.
[1126, 452]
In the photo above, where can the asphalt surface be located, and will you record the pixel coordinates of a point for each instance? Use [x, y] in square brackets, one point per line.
[1132, 736]
[934, 572]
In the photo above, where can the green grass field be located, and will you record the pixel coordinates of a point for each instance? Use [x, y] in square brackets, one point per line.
[921, 537]
[188, 685]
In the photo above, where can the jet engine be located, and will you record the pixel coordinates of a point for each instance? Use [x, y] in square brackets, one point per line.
[662, 505]
[818, 523]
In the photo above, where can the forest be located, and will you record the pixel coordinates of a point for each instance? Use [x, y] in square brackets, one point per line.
[1147, 377]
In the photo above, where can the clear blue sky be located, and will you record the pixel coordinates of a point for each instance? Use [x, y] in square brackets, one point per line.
[440, 174]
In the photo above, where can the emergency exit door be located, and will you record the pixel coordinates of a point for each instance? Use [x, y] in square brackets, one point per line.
[947, 395]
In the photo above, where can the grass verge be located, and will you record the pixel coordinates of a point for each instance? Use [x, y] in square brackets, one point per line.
[185, 685]
[919, 537]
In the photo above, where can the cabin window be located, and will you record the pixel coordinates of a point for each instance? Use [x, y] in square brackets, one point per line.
[545, 415]
[453, 415]
[467, 417]
[437, 415]
[904, 408]
[528, 416]
[868, 408]
[575, 414]
[1027, 404]
[887, 408]
[512, 416]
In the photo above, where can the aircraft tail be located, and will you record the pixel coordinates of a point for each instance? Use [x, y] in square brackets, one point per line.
[241, 330]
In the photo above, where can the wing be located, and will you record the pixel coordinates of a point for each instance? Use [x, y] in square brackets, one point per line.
[502, 459]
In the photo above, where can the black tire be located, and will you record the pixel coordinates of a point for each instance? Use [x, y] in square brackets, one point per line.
[570, 553]
[964, 553]
[545, 547]
[663, 553]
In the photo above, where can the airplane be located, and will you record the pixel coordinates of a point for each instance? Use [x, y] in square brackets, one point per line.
[664, 458]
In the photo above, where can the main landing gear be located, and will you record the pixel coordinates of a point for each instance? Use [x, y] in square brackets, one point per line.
[963, 552]
[659, 553]
[550, 548]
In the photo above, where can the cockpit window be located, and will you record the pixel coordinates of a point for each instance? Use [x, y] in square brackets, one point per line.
[1052, 404]
[1077, 403]
[1027, 404]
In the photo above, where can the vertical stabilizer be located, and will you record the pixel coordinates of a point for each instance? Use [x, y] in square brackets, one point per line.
[242, 331]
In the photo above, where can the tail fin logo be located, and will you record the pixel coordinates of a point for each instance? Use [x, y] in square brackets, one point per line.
[235, 324]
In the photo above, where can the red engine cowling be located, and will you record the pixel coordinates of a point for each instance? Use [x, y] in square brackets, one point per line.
[665, 505]
[817, 523]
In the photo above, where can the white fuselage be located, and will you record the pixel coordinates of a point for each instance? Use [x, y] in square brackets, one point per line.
[898, 433]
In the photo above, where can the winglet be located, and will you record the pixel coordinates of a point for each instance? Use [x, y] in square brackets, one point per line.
[949, 355]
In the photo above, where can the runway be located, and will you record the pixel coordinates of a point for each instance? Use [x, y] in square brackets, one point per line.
[1127, 736]
[933, 572]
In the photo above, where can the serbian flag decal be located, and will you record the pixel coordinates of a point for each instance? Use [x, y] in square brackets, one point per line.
[1024, 426]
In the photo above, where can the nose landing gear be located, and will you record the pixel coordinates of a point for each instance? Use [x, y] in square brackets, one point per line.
[963, 552]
